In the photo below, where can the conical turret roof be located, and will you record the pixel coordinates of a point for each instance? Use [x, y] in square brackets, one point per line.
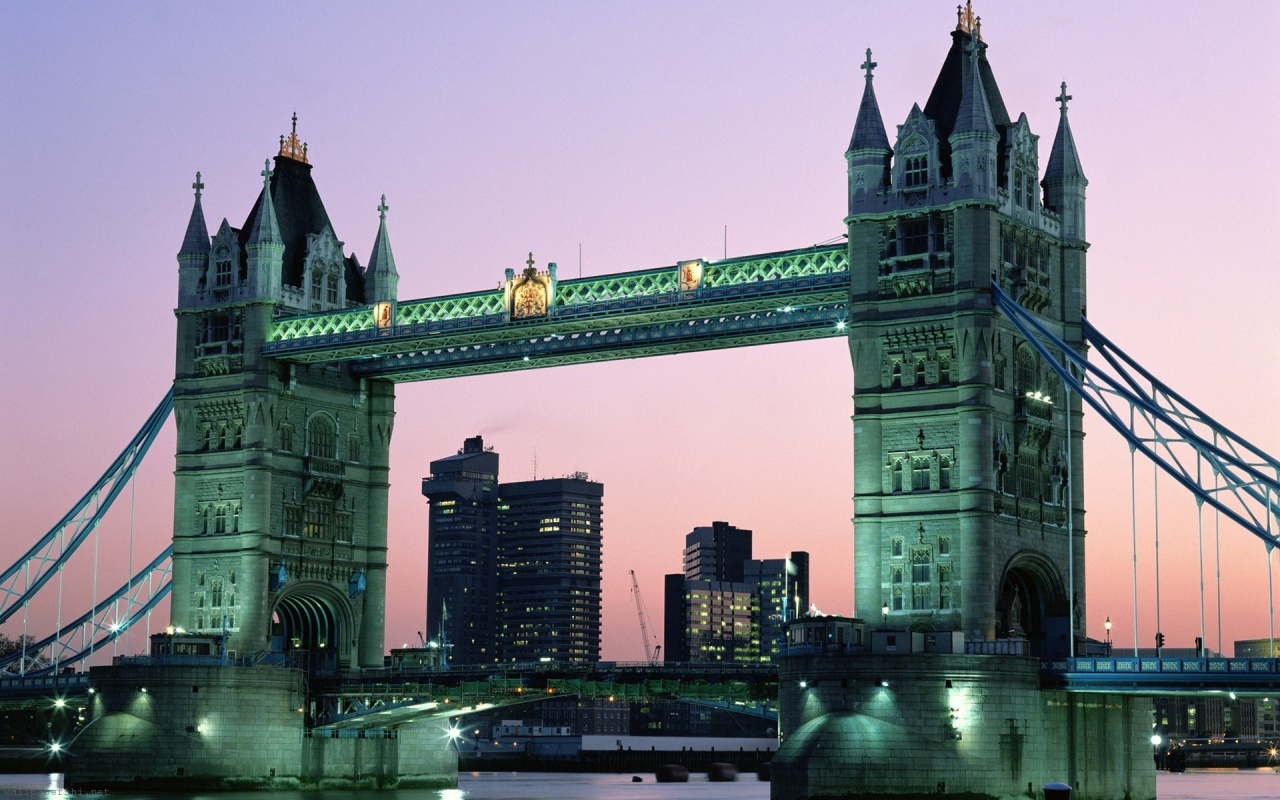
[1064, 161]
[868, 130]
[196, 240]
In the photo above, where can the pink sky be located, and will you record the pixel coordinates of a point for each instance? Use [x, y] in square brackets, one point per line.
[638, 131]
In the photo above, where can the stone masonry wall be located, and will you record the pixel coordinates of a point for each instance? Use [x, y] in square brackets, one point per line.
[920, 724]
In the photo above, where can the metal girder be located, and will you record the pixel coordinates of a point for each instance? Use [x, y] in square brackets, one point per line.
[633, 341]
[1241, 481]
[106, 622]
[20, 582]
[731, 286]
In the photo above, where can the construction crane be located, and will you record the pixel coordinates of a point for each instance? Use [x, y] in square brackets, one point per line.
[651, 651]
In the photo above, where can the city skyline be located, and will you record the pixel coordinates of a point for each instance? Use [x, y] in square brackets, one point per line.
[639, 133]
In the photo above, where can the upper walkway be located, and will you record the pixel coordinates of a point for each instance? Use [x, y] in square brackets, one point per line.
[693, 305]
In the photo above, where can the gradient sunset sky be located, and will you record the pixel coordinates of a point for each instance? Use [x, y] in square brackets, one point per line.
[638, 131]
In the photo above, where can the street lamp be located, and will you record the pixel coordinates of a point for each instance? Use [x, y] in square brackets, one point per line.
[1107, 625]
[884, 610]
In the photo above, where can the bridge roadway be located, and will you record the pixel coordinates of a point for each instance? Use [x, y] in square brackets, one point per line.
[1158, 676]
[372, 699]
[384, 698]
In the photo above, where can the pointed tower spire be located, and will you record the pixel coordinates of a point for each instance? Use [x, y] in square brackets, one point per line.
[265, 247]
[868, 130]
[1064, 162]
[381, 279]
[869, 151]
[1064, 181]
[974, 114]
[193, 258]
[974, 138]
[266, 230]
[196, 241]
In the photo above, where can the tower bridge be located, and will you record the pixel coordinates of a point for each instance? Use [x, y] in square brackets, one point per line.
[960, 289]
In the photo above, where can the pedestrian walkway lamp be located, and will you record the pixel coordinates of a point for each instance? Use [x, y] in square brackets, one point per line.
[884, 611]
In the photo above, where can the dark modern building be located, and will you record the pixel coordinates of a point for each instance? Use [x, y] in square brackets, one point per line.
[549, 569]
[514, 572]
[727, 606]
[716, 553]
[782, 594]
[462, 573]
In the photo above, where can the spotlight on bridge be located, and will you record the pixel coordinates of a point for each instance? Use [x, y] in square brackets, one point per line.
[1156, 740]
[804, 684]
[454, 733]
[884, 684]
[55, 747]
[841, 325]
[59, 703]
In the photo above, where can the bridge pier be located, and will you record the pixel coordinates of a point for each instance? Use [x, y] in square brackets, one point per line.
[189, 727]
[887, 725]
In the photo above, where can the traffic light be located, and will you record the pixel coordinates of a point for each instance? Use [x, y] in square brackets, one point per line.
[1159, 640]
[1199, 647]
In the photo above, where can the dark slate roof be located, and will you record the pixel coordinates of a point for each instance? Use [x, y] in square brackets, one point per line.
[868, 131]
[943, 105]
[1064, 161]
[299, 211]
[974, 114]
[196, 240]
[948, 89]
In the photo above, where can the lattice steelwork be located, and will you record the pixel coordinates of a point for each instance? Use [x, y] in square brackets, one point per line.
[20, 582]
[98, 628]
[474, 329]
[1181, 439]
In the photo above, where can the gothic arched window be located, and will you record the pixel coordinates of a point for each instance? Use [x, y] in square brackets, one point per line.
[921, 565]
[321, 437]
[1026, 370]
[915, 171]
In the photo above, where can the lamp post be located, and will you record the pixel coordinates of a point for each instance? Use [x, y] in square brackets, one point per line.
[884, 611]
[1107, 625]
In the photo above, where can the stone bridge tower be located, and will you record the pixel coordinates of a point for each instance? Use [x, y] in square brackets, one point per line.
[280, 509]
[963, 438]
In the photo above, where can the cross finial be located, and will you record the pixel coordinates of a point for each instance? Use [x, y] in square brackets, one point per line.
[529, 263]
[382, 208]
[198, 186]
[868, 65]
[1062, 98]
[266, 173]
[295, 122]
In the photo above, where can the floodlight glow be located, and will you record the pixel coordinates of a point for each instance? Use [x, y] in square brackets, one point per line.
[804, 684]
[55, 747]
[1155, 739]
[59, 703]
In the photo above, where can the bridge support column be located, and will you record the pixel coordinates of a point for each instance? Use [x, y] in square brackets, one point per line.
[932, 724]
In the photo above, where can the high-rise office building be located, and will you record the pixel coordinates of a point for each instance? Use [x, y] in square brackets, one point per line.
[726, 606]
[782, 594]
[514, 570]
[549, 569]
[462, 577]
[716, 553]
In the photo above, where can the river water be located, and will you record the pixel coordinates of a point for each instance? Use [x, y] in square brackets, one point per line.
[1193, 785]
